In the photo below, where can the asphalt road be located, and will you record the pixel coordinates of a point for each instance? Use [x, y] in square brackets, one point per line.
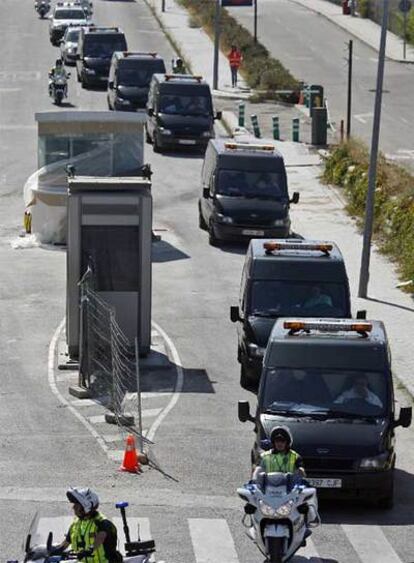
[44, 449]
[315, 50]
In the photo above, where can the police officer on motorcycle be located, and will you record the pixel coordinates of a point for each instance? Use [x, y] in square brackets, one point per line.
[91, 536]
[283, 459]
[58, 71]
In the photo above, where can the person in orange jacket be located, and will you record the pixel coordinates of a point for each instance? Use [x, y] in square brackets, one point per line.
[235, 59]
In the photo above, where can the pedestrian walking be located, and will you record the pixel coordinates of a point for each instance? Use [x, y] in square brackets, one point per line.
[235, 59]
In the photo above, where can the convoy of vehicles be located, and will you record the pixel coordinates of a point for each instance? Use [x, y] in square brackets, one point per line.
[325, 375]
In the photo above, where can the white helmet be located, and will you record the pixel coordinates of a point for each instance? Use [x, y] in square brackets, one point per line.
[87, 498]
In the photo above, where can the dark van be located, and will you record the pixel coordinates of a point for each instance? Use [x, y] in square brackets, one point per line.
[129, 79]
[330, 381]
[95, 49]
[280, 278]
[244, 192]
[180, 112]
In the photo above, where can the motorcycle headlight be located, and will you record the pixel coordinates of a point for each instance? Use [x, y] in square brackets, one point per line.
[267, 510]
[285, 509]
[165, 131]
[279, 222]
[376, 462]
[256, 351]
[220, 218]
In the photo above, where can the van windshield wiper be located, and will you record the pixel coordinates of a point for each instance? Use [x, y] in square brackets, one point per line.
[332, 413]
[283, 412]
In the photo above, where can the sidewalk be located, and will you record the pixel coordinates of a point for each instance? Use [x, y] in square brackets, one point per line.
[363, 29]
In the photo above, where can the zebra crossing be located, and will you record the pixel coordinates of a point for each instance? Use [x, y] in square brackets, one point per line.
[212, 541]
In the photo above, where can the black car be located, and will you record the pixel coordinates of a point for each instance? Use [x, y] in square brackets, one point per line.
[129, 79]
[180, 112]
[330, 382]
[95, 49]
[280, 278]
[244, 192]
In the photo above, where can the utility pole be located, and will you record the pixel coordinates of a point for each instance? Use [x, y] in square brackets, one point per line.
[216, 44]
[255, 21]
[162, 5]
[372, 175]
[349, 101]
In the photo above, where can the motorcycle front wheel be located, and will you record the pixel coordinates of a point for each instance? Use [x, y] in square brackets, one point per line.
[58, 98]
[275, 550]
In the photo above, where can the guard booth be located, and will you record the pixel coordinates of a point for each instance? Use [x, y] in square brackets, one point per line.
[110, 230]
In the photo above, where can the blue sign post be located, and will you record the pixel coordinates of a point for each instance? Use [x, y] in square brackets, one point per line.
[404, 7]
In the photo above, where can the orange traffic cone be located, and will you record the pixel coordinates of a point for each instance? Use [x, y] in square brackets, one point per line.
[131, 462]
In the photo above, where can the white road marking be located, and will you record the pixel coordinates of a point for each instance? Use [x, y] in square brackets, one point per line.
[97, 419]
[212, 541]
[371, 544]
[175, 357]
[309, 552]
[155, 394]
[25, 75]
[362, 117]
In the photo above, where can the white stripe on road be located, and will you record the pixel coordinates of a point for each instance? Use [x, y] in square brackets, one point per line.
[212, 541]
[371, 544]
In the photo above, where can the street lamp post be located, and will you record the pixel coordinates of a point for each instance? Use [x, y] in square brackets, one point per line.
[216, 44]
[255, 21]
[372, 174]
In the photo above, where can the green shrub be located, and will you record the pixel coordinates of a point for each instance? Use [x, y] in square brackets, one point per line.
[260, 70]
[347, 166]
[363, 8]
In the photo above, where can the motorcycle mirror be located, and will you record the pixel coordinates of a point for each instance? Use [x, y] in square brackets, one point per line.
[244, 411]
[27, 544]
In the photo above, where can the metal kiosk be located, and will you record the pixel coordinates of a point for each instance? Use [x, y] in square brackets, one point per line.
[109, 230]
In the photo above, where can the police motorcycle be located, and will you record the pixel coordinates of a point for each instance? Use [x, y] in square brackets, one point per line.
[58, 87]
[135, 551]
[42, 7]
[280, 509]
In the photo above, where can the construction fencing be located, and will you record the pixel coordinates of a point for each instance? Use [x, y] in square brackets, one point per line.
[109, 362]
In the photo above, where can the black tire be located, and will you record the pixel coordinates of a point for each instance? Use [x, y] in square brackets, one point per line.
[147, 137]
[156, 147]
[387, 502]
[58, 98]
[201, 223]
[275, 550]
[213, 241]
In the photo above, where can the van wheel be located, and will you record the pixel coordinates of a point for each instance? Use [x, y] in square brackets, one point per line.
[213, 241]
[201, 223]
[155, 145]
[387, 501]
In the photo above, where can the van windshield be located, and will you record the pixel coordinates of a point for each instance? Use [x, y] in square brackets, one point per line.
[329, 393]
[185, 105]
[72, 35]
[69, 15]
[138, 73]
[288, 298]
[254, 184]
[103, 46]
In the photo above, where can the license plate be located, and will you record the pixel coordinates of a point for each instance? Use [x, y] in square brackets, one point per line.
[325, 483]
[253, 233]
[186, 142]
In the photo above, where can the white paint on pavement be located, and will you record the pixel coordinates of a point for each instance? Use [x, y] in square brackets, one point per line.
[371, 544]
[212, 541]
[362, 117]
[178, 384]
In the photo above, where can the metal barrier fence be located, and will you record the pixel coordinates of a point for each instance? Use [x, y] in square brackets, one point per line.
[109, 362]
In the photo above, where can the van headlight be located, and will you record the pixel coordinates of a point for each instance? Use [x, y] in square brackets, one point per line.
[220, 218]
[256, 351]
[377, 462]
[206, 134]
[165, 131]
[279, 222]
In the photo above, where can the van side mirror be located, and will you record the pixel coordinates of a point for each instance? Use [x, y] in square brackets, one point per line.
[111, 85]
[406, 414]
[362, 314]
[234, 314]
[244, 412]
[78, 57]
[150, 112]
[294, 198]
[206, 193]
[219, 115]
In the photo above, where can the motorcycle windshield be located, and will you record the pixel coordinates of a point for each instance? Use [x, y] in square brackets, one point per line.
[42, 526]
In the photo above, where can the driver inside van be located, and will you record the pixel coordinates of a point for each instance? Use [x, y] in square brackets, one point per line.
[317, 298]
[359, 390]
